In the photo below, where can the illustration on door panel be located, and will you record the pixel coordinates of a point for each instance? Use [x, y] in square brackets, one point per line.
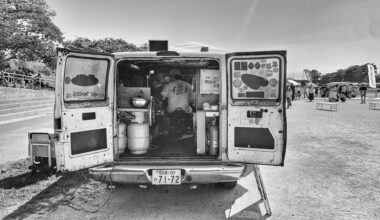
[85, 79]
[255, 78]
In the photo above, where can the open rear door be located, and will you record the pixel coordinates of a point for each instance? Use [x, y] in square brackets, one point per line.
[83, 109]
[256, 107]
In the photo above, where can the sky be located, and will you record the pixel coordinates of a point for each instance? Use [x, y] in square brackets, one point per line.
[325, 35]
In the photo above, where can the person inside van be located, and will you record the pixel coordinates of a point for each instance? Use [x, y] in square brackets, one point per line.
[179, 95]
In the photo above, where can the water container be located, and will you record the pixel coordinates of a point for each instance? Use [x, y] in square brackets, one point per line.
[122, 137]
[138, 138]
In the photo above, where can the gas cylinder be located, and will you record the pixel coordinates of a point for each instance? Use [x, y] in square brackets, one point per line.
[138, 138]
[122, 137]
[214, 138]
[139, 117]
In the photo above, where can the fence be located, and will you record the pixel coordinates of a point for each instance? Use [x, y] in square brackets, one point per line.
[25, 81]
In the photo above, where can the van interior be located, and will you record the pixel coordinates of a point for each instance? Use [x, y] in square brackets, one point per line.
[168, 108]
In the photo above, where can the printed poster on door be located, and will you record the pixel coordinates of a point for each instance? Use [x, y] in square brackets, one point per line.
[210, 81]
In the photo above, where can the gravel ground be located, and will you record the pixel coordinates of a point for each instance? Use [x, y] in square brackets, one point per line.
[331, 171]
[18, 185]
[27, 195]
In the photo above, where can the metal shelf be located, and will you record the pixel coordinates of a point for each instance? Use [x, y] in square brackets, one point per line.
[133, 109]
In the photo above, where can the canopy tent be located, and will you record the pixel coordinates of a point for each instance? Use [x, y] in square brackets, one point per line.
[341, 83]
[311, 84]
[293, 82]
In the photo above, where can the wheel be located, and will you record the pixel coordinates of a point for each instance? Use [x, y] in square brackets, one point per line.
[229, 185]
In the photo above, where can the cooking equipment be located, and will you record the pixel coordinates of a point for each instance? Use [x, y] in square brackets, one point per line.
[137, 102]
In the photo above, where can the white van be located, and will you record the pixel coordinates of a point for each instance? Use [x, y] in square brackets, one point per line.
[114, 114]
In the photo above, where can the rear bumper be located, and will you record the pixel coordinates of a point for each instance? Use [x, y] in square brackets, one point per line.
[190, 173]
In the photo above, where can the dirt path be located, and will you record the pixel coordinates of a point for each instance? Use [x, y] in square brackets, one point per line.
[23, 194]
[18, 186]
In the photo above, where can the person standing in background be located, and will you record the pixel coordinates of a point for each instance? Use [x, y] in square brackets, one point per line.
[311, 93]
[293, 88]
[344, 90]
[289, 94]
[317, 92]
[298, 91]
[363, 93]
[349, 90]
[333, 94]
[305, 92]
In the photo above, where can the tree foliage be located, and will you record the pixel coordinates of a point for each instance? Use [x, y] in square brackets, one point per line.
[109, 45]
[28, 31]
[313, 75]
[356, 73]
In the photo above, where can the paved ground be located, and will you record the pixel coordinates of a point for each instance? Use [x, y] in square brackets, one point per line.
[331, 171]
[14, 137]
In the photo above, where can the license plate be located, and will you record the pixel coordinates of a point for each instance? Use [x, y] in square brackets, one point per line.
[166, 177]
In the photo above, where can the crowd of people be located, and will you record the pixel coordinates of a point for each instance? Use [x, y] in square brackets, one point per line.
[334, 93]
[296, 92]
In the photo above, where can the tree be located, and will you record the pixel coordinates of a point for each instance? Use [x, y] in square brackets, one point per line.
[356, 73]
[326, 78]
[314, 75]
[109, 45]
[27, 31]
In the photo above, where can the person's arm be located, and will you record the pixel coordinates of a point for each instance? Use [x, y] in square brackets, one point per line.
[164, 92]
[190, 97]
[190, 94]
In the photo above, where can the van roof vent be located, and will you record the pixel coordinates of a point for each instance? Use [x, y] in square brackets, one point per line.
[204, 49]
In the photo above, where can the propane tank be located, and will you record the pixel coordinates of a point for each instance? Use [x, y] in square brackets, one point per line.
[122, 137]
[214, 139]
[138, 138]
[138, 117]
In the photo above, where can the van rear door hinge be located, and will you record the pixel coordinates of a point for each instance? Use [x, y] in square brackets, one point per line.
[62, 137]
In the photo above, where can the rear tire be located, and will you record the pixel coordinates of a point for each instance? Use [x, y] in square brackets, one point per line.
[229, 185]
